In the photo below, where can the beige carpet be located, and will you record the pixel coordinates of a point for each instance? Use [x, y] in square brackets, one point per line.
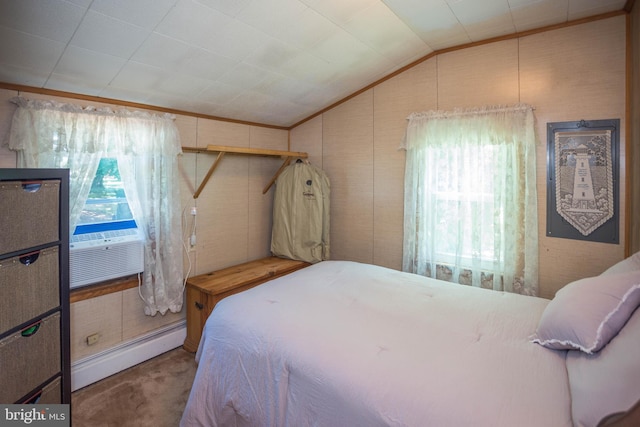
[151, 394]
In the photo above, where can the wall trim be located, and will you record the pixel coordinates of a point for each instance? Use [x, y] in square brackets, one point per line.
[98, 366]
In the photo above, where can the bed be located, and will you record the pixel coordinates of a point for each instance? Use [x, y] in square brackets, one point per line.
[342, 343]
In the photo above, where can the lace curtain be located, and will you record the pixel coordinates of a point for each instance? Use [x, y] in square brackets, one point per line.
[48, 134]
[470, 212]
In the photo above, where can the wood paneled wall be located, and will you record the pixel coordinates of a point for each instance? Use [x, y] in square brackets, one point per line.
[234, 217]
[572, 73]
[634, 104]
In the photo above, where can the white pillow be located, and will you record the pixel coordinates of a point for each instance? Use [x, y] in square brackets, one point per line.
[607, 382]
[626, 265]
[586, 314]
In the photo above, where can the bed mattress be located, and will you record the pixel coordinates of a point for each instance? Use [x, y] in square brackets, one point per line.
[347, 344]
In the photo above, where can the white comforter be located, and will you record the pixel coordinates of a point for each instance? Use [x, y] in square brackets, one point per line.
[349, 344]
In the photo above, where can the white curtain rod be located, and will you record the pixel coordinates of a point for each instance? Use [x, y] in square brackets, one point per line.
[459, 112]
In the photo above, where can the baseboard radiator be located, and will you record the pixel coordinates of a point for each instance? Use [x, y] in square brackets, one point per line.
[111, 361]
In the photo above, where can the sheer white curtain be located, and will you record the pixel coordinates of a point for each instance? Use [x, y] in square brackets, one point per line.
[49, 134]
[470, 206]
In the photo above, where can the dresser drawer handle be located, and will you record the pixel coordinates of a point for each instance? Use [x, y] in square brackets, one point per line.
[29, 259]
[34, 399]
[31, 330]
[199, 306]
[31, 186]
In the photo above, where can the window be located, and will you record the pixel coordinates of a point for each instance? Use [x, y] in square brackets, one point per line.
[106, 207]
[464, 207]
[470, 213]
[147, 148]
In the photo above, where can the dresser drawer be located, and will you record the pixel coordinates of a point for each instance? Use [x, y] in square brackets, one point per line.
[28, 214]
[49, 394]
[29, 358]
[29, 286]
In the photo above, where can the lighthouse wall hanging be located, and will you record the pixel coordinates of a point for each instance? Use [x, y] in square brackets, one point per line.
[582, 180]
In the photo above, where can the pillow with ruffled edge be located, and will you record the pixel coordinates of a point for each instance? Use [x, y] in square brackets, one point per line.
[629, 264]
[607, 382]
[586, 314]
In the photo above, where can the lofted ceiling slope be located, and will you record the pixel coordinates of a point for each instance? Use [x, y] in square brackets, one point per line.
[272, 62]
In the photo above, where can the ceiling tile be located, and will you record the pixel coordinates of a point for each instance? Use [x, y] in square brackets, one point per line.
[243, 75]
[379, 28]
[28, 51]
[262, 14]
[127, 94]
[228, 7]
[276, 112]
[218, 93]
[583, 8]
[272, 55]
[194, 24]
[323, 98]
[341, 49]
[211, 30]
[14, 74]
[176, 102]
[338, 11]
[205, 107]
[182, 85]
[108, 35]
[534, 14]
[515, 4]
[483, 20]
[140, 77]
[207, 65]
[307, 30]
[68, 83]
[433, 21]
[285, 87]
[308, 67]
[88, 66]
[143, 13]
[238, 40]
[248, 100]
[442, 39]
[51, 19]
[82, 3]
[490, 27]
[164, 52]
[473, 11]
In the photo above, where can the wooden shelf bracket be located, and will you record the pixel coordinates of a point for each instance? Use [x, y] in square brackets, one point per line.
[222, 150]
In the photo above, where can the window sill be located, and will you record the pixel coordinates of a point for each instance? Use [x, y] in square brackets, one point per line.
[103, 288]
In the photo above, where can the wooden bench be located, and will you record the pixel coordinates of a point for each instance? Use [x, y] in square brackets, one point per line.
[206, 290]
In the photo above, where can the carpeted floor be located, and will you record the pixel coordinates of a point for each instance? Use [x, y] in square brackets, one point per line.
[151, 394]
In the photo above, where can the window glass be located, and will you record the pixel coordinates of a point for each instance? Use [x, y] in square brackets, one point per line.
[107, 202]
[463, 205]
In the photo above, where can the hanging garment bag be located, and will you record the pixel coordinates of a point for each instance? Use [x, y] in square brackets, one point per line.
[301, 214]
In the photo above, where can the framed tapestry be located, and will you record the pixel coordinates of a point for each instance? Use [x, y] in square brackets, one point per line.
[582, 180]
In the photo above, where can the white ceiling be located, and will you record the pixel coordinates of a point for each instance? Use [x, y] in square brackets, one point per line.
[266, 61]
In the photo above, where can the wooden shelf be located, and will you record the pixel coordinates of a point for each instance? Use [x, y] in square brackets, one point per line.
[222, 150]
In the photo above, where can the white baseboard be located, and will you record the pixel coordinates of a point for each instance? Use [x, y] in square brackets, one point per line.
[101, 365]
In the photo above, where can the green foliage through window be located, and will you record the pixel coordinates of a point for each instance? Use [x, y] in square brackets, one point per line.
[107, 201]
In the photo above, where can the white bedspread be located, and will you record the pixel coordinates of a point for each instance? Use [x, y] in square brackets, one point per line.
[349, 344]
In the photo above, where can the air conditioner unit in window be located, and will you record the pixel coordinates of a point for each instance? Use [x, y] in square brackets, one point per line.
[95, 257]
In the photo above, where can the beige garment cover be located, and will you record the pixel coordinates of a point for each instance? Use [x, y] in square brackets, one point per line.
[301, 214]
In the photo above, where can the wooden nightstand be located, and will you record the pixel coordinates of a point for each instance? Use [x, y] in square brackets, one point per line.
[204, 291]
